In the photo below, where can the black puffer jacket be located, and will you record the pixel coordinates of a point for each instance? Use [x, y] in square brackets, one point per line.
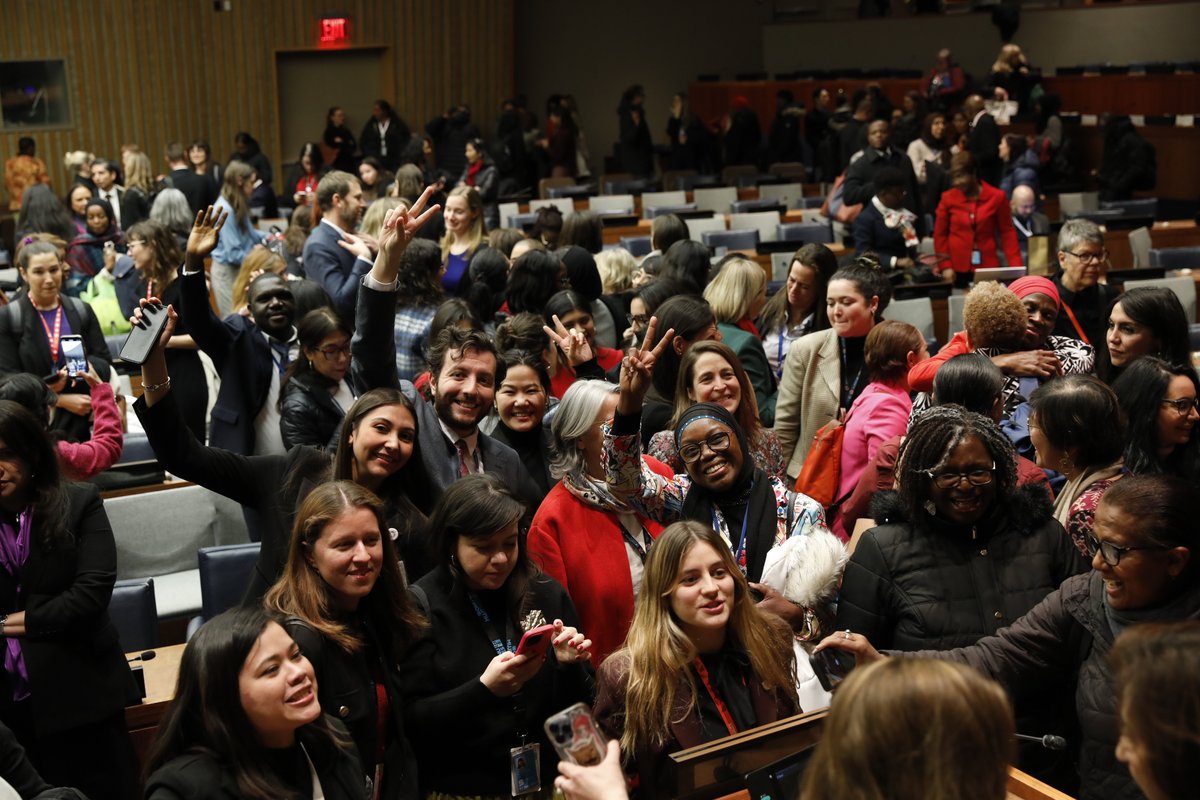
[1067, 637]
[309, 415]
[930, 585]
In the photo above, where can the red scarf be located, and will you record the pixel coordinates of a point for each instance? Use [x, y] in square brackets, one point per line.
[748, 326]
[472, 171]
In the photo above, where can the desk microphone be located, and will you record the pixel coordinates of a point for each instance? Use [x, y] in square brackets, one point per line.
[1049, 741]
[149, 655]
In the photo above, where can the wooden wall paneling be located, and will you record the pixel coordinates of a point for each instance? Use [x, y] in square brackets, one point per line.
[154, 72]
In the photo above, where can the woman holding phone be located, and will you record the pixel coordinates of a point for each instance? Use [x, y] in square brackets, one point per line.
[33, 329]
[376, 445]
[472, 687]
[343, 601]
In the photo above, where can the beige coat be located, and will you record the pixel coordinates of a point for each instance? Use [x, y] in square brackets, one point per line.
[809, 392]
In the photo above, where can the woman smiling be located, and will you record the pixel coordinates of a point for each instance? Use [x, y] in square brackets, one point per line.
[343, 599]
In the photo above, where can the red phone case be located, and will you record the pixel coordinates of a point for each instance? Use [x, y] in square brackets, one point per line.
[534, 638]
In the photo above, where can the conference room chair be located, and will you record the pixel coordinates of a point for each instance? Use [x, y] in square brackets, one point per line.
[765, 222]
[1139, 245]
[751, 206]
[804, 233]
[790, 195]
[134, 614]
[917, 312]
[611, 204]
[675, 197]
[224, 575]
[1175, 257]
[545, 183]
[569, 192]
[698, 226]
[738, 239]
[637, 246]
[508, 210]
[716, 199]
[1184, 288]
[1076, 202]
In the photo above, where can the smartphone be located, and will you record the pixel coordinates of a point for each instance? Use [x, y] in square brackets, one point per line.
[831, 666]
[144, 336]
[576, 736]
[536, 640]
[72, 351]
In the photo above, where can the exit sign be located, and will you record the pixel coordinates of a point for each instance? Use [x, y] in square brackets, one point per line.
[333, 30]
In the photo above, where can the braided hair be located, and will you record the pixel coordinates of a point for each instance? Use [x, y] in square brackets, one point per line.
[929, 442]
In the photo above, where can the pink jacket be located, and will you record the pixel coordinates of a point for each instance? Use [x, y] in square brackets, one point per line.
[82, 460]
[878, 414]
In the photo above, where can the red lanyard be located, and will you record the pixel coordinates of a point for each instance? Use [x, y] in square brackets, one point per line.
[149, 288]
[52, 336]
[726, 717]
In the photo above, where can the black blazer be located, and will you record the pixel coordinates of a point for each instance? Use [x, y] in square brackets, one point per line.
[203, 776]
[346, 689]
[335, 268]
[200, 190]
[242, 357]
[309, 414]
[77, 671]
[870, 233]
[983, 142]
[397, 137]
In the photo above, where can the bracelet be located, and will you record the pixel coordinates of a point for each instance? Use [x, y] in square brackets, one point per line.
[156, 387]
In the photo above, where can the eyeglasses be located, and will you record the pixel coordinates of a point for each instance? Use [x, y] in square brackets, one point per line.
[1111, 553]
[717, 442]
[1091, 258]
[332, 353]
[1184, 405]
[949, 480]
[638, 319]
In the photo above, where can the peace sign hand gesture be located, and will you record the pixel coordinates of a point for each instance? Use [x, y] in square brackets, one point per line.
[638, 367]
[573, 342]
[399, 227]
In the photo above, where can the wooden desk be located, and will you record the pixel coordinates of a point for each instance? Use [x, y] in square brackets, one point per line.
[160, 673]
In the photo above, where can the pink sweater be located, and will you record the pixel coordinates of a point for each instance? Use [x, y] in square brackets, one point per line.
[82, 460]
[878, 414]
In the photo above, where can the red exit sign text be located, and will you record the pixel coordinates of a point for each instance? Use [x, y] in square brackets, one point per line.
[334, 30]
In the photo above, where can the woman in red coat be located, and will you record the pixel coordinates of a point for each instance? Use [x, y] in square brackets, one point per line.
[969, 217]
[584, 537]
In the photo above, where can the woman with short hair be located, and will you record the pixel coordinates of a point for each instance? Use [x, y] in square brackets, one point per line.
[1078, 430]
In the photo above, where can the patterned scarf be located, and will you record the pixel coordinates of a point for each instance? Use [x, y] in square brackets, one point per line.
[14, 551]
[594, 493]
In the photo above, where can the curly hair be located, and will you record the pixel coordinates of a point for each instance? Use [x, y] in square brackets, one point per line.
[930, 440]
[994, 316]
[420, 284]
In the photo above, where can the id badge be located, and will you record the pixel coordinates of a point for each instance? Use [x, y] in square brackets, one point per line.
[525, 769]
[976, 258]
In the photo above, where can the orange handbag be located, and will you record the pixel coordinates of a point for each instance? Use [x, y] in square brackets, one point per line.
[819, 476]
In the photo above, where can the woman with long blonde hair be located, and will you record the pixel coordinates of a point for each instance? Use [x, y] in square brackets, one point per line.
[700, 662]
[914, 729]
[465, 234]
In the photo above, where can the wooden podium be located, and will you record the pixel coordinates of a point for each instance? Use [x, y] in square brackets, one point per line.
[715, 770]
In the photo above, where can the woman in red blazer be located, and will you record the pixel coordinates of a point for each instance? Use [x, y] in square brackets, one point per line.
[584, 537]
[969, 217]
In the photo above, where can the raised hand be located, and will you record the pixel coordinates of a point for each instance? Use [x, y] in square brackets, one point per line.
[401, 225]
[572, 342]
[638, 367]
[205, 231]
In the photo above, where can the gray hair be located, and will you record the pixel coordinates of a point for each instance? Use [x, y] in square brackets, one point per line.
[573, 418]
[1077, 231]
[172, 211]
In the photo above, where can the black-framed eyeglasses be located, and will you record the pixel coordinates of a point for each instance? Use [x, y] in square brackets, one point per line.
[335, 352]
[1090, 258]
[1184, 405]
[638, 319]
[717, 442]
[948, 480]
[1113, 553]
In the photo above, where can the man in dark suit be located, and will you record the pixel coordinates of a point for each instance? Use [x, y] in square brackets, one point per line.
[983, 141]
[885, 227]
[126, 211]
[250, 354]
[333, 256]
[200, 190]
[1027, 220]
[879, 154]
[463, 368]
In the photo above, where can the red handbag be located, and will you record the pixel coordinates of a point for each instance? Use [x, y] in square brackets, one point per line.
[819, 476]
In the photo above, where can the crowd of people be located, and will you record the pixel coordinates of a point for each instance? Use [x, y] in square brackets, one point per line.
[447, 434]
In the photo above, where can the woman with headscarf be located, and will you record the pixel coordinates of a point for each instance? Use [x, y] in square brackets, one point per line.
[752, 511]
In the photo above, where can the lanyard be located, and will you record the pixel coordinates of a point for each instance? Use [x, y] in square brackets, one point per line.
[1027, 231]
[1078, 329]
[283, 350]
[851, 390]
[779, 352]
[739, 552]
[501, 647]
[638, 547]
[722, 709]
[53, 337]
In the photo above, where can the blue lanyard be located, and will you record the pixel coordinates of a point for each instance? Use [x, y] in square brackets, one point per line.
[739, 551]
[501, 647]
[779, 353]
[638, 547]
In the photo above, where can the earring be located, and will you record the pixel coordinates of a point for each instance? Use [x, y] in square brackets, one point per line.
[930, 508]
[1065, 464]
